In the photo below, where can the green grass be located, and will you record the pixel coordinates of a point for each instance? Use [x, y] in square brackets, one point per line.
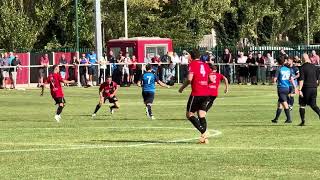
[127, 145]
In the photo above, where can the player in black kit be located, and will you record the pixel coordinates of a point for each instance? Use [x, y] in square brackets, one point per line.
[308, 85]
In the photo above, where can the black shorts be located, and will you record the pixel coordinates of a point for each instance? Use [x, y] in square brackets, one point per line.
[291, 90]
[111, 99]
[197, 103]
[283, 94]
[148, 97]
[132, 72]
[309, 97]
[59, 100]
[91, 70]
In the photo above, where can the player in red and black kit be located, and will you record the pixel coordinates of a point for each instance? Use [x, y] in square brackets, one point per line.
[108, 91]
[55, 81]
[198, 77]
[215, 84]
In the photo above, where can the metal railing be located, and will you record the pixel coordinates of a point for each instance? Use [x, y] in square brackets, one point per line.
[166, 71]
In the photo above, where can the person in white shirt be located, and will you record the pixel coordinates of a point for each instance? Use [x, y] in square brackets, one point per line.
[103, 69]
[271, 67]
[125, 69]
[243, 69]
[184, 60]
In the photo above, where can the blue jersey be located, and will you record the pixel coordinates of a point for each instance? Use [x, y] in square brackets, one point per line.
[148, 82]
[294, 72]
[92, 58]
[283, 77]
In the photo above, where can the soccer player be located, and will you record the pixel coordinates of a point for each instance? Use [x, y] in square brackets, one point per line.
[214, 86]
[283, 78]
[295, 74]
[148, 89]
[198, 77]
[108, 91]
[55, 81]
[308, 85]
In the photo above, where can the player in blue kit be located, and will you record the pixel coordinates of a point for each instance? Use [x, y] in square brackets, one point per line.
[284, 80]
[295, 74]
[147, 83]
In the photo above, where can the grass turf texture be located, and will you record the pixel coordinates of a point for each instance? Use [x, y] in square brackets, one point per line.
[121, 146]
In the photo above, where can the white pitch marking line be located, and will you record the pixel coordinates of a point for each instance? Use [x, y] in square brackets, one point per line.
[100, 146]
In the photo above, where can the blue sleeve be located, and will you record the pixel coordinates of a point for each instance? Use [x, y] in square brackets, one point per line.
[278, 73]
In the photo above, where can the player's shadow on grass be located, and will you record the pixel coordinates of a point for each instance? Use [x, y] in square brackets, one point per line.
[142, 141]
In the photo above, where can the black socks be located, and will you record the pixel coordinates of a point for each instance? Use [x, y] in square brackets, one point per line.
[59, 110]
[302, 112]
[203, 123]
[287, 111]
[278, 114]
[149, 110]
[198, 124]
[97, 108]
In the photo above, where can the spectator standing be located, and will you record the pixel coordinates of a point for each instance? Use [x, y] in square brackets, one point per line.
[184, 60]
[83, 70]
[148, 59]
[4, 61]
[156, 66]
[314, 58]
[283, 54]
[262, 68]
[253, 68]
[165, 60]
[92, 68]
[103, 70]
[227, 59]
[117, 72]
[211, 57]
[133, 68]
[270, 61]
[43, 70]
[16, 63]
[11, 57]
[243, 69]
[63, 62]
[72, 69]
[112, 60]
[125, 69]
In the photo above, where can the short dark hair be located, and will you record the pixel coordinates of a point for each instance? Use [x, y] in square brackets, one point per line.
[195, 54]
[109, 77]
[54, 66]
[148, 67]
[281, 61]
[213, 67]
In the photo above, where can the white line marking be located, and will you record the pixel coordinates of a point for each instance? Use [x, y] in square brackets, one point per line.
[101, 146]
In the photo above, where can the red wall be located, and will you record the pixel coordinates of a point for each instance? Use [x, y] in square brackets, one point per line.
[23, 73]
[68, 55]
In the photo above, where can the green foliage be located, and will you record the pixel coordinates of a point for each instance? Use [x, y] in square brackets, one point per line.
[27, 24]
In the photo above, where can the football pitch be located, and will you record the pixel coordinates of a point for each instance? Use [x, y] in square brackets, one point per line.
[244, 144]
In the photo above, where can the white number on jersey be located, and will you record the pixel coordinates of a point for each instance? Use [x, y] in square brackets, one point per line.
[149, 79]
[202, 70]
[214, 79]
[285, 76]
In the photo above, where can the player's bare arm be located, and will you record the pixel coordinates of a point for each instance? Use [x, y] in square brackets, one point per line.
[293, 84]
[115, 92]
[186, 83]
[300, 88]
[162, 84]
[139, 83]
